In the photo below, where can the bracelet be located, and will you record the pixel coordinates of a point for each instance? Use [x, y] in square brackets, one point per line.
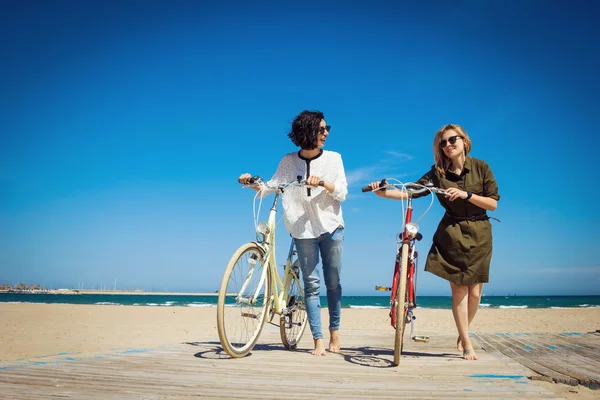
[469, 195]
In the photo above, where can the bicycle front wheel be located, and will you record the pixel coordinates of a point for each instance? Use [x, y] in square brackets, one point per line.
[292, 322]
[244, 300]
[401, 305]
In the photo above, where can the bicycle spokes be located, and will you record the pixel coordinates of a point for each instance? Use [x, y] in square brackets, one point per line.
[293, 317]
[244, 300]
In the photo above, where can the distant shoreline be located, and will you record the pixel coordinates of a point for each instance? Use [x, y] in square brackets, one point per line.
[141, 292]
[111, 292]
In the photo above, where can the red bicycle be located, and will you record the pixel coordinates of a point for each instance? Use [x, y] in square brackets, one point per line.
[403, 298]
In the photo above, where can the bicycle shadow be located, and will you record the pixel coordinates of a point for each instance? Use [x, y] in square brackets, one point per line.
[214, 351]
[377, 357]
[366, 356]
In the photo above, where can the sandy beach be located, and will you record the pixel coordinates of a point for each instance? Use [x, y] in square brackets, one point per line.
[35, 330]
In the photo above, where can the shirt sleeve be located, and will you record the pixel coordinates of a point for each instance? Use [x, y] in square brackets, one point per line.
[490, 187]
[339, 180]
[280, 176]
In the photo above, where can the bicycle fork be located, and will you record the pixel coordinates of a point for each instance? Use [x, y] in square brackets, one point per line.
[251, 300]
[410, 317]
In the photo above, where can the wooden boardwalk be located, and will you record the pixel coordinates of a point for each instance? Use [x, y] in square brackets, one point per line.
[572, 357]
[202, 370]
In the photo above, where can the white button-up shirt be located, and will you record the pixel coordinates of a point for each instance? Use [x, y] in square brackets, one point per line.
[309, 216]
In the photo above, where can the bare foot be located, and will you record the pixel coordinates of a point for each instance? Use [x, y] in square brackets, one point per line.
[469, 354]
[334, 341]
[459, 345]
[319, 348]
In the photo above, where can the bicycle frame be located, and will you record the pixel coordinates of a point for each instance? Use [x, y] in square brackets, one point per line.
[411, 299]
[403, 299]
[259, 290]
[267, 243]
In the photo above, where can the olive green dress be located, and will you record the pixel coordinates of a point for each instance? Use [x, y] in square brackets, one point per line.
[462, 244]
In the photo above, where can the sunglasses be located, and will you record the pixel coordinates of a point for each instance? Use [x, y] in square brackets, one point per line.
[450, 140]
[322, 129]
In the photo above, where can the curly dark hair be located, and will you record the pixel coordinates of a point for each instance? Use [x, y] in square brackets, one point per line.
[305, 129]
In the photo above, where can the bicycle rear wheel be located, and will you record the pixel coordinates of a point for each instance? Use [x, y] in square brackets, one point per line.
[401, 305]
[293, 321]
[244, 300]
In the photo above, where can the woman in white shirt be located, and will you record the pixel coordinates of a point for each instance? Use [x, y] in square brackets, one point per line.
[313, 216]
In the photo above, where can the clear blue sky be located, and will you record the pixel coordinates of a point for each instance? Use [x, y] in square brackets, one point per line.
[124, 125]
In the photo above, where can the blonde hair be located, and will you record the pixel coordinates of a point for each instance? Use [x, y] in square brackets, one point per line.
[442, 162]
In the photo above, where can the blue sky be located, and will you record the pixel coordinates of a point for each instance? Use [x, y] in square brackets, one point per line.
[124, 125]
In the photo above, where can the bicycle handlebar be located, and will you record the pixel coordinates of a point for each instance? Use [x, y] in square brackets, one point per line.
[412, 188]
[257, 180]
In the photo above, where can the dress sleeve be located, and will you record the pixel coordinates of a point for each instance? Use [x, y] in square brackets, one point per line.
[490, 187]
[339, 180]
[430, 176]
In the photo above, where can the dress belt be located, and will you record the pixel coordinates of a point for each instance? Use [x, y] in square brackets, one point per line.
[480, 217]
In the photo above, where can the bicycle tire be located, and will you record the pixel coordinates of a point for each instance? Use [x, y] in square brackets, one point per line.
[401, 305]
[292, 326]
[239, 319]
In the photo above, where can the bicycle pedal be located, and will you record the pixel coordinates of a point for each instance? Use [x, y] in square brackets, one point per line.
[383, 288]
[420, 339]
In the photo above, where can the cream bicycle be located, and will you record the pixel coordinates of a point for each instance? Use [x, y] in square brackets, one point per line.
[252, 291]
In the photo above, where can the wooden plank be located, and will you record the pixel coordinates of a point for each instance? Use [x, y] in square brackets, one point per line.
[530, 350]
[587, 355]
[587, 341]
[557, 360]
[429, 370]
[492, 341]
[561, 359]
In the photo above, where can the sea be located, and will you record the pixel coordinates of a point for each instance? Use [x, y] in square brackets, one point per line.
[192, 300]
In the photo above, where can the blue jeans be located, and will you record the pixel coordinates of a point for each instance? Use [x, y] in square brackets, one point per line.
[331, 248]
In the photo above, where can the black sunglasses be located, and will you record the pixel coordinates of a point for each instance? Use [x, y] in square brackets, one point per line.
[322, 129]
[450, 140]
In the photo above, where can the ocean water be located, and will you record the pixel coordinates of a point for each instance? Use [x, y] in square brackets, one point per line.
[166, 300]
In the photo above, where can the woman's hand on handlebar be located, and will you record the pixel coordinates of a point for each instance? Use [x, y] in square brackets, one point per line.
[244, 179]
[315, 181]
[455, 193]
[377, 185]
[247, 179]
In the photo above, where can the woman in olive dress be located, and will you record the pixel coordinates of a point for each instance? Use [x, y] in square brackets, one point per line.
[462, 244]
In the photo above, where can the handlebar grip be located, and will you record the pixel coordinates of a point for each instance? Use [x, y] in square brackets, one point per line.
[299, 179]
[382, 185]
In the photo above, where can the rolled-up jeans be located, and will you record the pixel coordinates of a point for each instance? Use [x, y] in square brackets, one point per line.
[330, 245]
